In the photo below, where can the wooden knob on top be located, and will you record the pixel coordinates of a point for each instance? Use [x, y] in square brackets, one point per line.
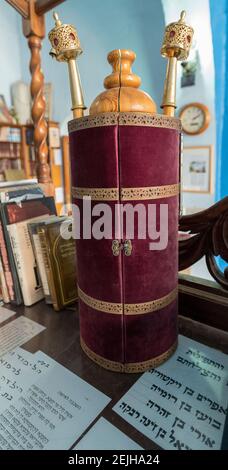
[121, 62]
[122, 93]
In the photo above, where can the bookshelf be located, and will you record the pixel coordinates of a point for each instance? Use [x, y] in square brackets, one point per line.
[58, 160]
[12, 151]
[56, 163]
[17, 152]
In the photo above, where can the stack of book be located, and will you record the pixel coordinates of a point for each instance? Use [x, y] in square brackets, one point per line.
[36, 260]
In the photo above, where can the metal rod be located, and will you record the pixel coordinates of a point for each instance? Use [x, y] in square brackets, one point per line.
[78, 105]
[169, 98]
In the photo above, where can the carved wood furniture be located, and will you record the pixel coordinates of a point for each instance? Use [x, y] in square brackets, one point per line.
[208, 236]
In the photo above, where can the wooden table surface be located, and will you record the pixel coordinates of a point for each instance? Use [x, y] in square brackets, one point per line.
[60, 340]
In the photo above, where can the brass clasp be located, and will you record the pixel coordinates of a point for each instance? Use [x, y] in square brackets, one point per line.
[116, 247]
[127, 247]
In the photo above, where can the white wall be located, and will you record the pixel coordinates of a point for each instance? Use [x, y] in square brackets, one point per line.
[10, 52]
[198, 16]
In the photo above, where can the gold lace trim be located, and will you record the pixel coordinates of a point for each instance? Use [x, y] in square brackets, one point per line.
[100, 120]
[153, 192]
[127, 194]
[152, 306]
[133, 367]
[125, 119]
[100, 305]
[97, 194]
[128, 309]
[149, 120]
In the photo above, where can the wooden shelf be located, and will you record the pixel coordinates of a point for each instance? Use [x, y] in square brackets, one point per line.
[9, 124]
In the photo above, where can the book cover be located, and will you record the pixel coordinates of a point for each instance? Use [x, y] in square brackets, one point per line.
[60, 257]
[20, 193]
[4, 289]
[40, 261]
[11, 213]
[10, 276]
[28, 274]
[28, 209]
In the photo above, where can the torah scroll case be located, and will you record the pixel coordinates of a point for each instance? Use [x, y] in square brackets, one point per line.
[122, 153]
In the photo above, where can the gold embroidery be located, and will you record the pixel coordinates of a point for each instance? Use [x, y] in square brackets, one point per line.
[125, 119]
[96, 194]
[152, 306]
[100, 305]
[100, 120]
[127, 194]
[134, 367]
[153, 192]
[149, 120]
[128, 309]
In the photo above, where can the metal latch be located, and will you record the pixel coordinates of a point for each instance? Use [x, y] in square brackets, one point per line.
[127, 247]
[117, 246]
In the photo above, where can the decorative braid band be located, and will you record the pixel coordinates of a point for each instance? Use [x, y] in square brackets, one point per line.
[97, 194]
[153, 192]
[150, 120]
[100, 120]
[127, 194]
[106, 307]
[125, 119]
[128, 309]
[132, 367]
[152, 306]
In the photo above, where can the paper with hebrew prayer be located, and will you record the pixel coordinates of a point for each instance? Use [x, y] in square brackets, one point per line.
[19, 369]
[183, 403]
[6, 313]
[54, 411]
[104, 436]
[18, 332]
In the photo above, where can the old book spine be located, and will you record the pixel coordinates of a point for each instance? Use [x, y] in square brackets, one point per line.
[41, 264]
[25, 263]
[43, 241]
[11, 262]
[6, 267]
[5, 293]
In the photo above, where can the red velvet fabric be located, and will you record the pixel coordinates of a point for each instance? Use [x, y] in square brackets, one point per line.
[94, 161]
[157, 330]
[102, 332]
[124, 157]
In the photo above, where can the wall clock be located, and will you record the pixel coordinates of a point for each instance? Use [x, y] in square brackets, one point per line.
[195, 118]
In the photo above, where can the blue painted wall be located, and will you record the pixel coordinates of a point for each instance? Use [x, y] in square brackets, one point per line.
[10, 53]
[219, 23]
[219, 12]
[103, 26]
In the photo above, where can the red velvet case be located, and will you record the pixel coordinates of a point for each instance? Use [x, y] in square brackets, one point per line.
[128, 304]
